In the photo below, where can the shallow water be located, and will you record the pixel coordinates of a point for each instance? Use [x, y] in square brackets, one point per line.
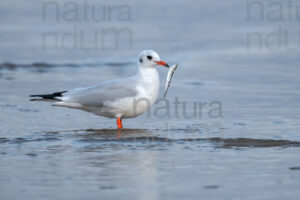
[249, 150]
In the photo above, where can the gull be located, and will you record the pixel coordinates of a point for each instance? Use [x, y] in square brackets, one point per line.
[121, 98]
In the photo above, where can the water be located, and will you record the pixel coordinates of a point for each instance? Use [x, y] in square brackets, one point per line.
[246, 149]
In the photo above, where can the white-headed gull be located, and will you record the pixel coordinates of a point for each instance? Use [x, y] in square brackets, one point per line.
[122, 98]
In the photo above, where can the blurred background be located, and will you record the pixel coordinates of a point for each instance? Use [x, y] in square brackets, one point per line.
[238, 59]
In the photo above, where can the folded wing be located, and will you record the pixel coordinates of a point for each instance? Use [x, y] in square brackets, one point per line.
[98, 95]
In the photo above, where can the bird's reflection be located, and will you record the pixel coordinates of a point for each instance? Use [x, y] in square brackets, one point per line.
[105, 133]
[119, 133]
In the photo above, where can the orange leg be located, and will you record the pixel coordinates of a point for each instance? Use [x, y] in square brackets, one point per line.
[119, 122]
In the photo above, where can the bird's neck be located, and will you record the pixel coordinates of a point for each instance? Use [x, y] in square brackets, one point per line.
[148, 75]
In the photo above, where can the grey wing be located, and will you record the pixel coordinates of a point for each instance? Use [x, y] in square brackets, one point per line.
[98, 95]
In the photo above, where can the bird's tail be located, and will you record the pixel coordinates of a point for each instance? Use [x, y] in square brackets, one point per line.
[47, 97]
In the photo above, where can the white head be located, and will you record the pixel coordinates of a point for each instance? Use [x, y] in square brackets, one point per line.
[150, 59]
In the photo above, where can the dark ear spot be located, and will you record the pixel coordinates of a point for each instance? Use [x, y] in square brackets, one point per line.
[149, 57]
[141, 60]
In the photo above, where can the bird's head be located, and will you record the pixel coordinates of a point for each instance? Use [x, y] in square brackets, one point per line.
[150, 59]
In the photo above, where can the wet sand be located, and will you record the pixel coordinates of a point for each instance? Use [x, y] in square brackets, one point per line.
[51, 153]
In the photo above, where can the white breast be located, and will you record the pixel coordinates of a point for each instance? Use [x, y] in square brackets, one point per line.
[148, 89]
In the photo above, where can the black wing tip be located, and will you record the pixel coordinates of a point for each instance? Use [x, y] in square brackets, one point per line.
[59, 94]
[47, 96]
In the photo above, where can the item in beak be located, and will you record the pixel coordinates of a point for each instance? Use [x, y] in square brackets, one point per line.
[169, 77]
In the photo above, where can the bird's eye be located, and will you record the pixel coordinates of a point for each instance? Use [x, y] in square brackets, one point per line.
[141, 60]
[149, 57]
